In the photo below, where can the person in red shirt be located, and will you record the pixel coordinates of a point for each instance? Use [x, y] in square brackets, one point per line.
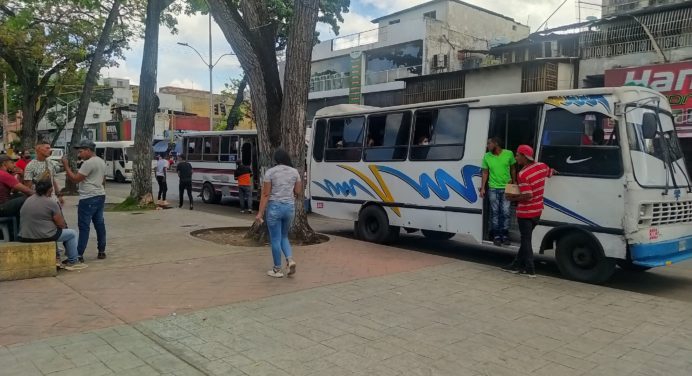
[9, 205]
[22, 163]
[531, 181]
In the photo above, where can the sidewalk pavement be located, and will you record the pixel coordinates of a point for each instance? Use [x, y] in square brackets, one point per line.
[166, 303]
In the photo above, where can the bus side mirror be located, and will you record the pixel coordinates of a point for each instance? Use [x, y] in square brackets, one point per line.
[649, 126]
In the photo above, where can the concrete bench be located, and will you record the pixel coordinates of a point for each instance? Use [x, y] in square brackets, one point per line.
[27, 260]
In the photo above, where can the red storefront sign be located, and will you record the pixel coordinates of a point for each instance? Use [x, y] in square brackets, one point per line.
[672, 80]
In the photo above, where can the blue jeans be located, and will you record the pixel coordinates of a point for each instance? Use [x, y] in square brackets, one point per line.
[279, 218]
[499, 213]
[69, 239]
[91, 210]
[245, 197]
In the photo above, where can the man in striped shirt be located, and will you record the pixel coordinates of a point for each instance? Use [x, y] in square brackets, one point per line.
[531, 181]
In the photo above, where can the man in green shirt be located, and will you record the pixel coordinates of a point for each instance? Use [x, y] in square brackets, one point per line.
[499, 169]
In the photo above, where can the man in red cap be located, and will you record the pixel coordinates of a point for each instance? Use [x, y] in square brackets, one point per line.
[531, 181]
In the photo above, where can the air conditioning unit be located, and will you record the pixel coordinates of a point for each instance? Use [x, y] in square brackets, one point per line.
[440, 61]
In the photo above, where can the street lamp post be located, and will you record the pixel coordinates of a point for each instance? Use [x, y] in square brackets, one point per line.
[211, 69]
[67, 111]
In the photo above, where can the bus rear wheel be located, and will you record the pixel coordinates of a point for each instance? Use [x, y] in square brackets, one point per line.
[373, 226]
[209, 194]
[437, 235]
[579, 258]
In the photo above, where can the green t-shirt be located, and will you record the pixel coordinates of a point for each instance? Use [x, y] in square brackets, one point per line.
[498, 167]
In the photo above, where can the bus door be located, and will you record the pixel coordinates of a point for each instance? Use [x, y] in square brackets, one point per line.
[514, 125]
[110, 162]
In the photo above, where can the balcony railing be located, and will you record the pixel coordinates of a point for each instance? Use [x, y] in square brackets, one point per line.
[391, 75]
[329, 82]
[359, 39]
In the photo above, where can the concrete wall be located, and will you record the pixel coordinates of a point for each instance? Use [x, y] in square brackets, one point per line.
[499, 80]
[588, 67]
[484, 25]
[440, 8]
[565, 76]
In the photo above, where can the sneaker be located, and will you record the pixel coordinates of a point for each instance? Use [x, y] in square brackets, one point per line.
[527, 273]
[190, 207]
[506, 241]
[511, 268]
[243, 212]
[81, 259]
[180, 206]
[497, 241]
[102, 255]
[276, 273]
[291, 267]
[71, 266]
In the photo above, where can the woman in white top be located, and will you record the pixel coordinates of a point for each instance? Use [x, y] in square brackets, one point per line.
[280, 188]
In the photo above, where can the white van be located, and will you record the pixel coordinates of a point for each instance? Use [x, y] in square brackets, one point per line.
[117, 155]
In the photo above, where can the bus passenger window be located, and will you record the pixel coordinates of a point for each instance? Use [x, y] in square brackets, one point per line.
[229, 149]
[211, 148]
[318, 142]
[345, 139]
[194, 149]
[100, 152]
[388, 136]
[439, 134]
[581, 144]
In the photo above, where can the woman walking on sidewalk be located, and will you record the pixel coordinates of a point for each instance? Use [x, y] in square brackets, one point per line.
[280, 188]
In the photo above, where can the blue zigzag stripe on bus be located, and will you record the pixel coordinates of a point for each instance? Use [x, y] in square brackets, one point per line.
[579, 101]
[439, 184]
[568, 212]
[347, 188]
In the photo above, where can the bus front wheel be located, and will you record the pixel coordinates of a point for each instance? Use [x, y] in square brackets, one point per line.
[209, 195]
[373, 226]
[580, 259]
[437, 235]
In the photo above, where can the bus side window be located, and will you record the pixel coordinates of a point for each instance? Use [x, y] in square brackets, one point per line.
[100, 152]
[318, 142]
[211, 148]
[194, 149]
[345, 139]
[117, 154]
[388, 137]
[439, 134]
[109, 154]
[229, 152]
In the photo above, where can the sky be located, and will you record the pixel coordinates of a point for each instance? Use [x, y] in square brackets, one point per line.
[180, 66]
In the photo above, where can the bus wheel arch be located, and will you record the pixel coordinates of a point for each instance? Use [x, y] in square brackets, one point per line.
[373, 225]
[119, 177]
[579, 255]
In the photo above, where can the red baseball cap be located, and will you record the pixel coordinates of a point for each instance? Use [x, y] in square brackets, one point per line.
[526, 150]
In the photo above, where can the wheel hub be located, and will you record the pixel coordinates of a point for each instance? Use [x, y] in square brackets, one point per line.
[583, 257]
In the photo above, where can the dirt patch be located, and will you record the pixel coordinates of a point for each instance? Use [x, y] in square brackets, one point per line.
[235, 236]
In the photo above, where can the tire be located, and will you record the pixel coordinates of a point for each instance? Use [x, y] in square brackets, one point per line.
[373, 226]
[630, 267]
[581, 259]
[437, 235]
[209, 195]
[119, 177]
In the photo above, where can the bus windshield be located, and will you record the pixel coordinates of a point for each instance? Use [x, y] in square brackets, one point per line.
[653, 159]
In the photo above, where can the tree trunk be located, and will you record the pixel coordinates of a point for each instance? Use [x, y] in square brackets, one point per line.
[295, 99]
[55, 140]
[28, 137]
[89, 83]
[147, 105]
[233, 115]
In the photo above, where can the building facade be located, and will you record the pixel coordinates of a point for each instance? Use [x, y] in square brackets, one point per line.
[368, 67]
[616, 7]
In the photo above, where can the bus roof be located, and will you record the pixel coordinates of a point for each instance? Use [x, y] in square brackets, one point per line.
[240, 132]
[122, 144]
[487, 101]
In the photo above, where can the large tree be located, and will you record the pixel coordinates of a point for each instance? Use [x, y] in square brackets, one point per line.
[256, 30]
[43, 41]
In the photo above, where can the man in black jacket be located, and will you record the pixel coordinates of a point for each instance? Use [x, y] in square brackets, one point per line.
[184, 169]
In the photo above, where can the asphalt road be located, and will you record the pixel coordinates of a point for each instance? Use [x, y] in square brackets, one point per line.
[673, 282]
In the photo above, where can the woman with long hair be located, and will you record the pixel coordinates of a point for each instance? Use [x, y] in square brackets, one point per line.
[282, 185]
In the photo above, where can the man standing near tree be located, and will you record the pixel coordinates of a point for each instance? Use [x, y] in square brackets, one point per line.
[42, 168]
[184, 169]
[161, 167]
[91, 178]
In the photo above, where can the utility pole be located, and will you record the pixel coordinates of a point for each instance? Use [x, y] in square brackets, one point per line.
[211, 88]
[5, 118]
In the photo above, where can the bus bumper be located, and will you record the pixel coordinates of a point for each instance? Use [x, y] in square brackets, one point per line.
[662, 253]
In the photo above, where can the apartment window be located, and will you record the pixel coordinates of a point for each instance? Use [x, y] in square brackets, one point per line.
[432, 15]
[96, 116]
[514, 27]
[392, 22]
[120, 83]
[120, 101]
